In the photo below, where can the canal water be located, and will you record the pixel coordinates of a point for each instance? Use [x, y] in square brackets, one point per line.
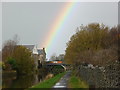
[11, 80]
[23, 81]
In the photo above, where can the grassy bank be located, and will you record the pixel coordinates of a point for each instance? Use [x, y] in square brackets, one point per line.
[48, 83]
[76, 82]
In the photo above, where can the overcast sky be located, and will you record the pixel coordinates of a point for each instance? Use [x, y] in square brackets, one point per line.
[32, 21]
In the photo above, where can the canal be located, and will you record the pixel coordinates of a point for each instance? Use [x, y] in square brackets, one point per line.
[11, 80]
[22, 81]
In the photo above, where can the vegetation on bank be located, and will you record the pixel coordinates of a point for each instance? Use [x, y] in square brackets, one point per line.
[17, 57]
[94, 43]
[76, 82]
[48, 83]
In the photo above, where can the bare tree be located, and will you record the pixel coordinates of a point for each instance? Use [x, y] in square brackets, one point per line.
[8, 47]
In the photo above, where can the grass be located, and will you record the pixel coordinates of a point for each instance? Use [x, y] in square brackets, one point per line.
[48, 83]
[75, 82]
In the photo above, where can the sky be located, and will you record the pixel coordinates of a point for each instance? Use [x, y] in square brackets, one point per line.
[32, 21]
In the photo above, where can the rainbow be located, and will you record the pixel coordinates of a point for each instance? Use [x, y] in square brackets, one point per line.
[57, 24]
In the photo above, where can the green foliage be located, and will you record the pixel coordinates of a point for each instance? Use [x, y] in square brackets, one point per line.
[88, 41]
[24, 60]
[12, 62]
[17, 57]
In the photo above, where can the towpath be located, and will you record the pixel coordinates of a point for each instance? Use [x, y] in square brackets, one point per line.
[63, 82]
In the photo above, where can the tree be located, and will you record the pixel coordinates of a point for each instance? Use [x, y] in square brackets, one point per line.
[17, 57]
[53, 57]
[8, 51]
[61, 57]
[8, 47]
[90, 40]
[24, 60]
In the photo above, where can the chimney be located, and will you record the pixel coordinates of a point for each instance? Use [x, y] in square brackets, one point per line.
[43, 48]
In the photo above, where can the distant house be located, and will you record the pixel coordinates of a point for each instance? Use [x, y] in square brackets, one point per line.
[33, 50]
[41, 57]
[38, 54]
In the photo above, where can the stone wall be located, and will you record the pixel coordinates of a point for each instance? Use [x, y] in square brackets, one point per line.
[101, 77]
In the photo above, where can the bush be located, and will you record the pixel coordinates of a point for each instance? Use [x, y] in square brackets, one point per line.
[12, 62]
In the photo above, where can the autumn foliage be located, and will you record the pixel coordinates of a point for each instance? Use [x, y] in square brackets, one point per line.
[94, 43]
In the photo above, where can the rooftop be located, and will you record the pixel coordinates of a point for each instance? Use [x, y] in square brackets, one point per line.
[30, 47]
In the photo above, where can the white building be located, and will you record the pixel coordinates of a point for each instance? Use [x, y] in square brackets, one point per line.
[38, 54]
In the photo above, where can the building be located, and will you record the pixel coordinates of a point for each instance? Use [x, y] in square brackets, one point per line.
[33, 50]
[38, 54]
[41, 57]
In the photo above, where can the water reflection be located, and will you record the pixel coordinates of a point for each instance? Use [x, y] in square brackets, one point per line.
[11, 80]
[22, 81]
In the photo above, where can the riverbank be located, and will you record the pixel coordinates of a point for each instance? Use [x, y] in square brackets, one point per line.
[48, 83]
[9, 73]
[76, 82]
